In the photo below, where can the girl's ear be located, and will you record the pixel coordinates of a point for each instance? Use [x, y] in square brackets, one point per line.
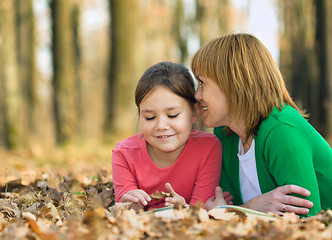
[195, 113]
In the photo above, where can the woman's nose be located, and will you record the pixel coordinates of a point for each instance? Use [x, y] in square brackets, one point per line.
[198, 93]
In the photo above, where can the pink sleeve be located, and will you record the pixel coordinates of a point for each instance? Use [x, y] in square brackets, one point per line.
[124, 179]
[208, 176]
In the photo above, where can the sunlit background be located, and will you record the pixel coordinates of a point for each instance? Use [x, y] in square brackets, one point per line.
[70, 67]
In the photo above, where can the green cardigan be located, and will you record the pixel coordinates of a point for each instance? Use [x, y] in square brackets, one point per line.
[288, 150]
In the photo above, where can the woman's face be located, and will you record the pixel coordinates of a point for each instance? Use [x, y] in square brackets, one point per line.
[212, 102]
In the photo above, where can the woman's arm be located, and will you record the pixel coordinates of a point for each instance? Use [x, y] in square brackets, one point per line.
[289, 157]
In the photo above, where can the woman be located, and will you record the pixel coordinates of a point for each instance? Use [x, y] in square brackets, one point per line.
[269, 149]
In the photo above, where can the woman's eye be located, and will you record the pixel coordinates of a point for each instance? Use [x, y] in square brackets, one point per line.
[149, 118]
[173, 116]
[200, 82]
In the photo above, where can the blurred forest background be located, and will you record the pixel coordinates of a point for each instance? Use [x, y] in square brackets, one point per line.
[83, 93]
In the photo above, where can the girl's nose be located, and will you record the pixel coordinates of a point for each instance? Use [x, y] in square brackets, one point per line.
[162, 123]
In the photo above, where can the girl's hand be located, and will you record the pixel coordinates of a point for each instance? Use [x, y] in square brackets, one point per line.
[137, 196]
[218, 199]
[279, 201]
[170, 201]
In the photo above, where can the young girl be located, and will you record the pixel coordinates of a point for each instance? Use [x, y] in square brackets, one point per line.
[168, 155]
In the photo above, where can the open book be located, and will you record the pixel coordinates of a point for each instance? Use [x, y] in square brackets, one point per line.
[227, 212]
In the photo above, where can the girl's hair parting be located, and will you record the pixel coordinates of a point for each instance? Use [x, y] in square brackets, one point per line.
[174, 76]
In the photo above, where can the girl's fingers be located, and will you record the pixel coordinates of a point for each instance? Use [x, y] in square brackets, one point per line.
[145, 195]
[176, 197]
[170, 200]
[142, 196]
[137, 195]
[169, 189]
[168, 204]
[129, 198]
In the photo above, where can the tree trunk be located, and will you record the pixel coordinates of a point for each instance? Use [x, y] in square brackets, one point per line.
[181, 31]
[328, 10]
[11, 90]
[213, 17]
[324, 48]
[298, 58]
[27, 63]
[65, 106]
[126, 66]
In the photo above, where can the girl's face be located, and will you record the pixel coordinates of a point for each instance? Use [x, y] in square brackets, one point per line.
[166, 121]
[212, 102]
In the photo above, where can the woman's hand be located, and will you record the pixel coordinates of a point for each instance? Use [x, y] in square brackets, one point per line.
[228, 198]
[170, 201]
[219, 199]
[138, 197]
[279, 201]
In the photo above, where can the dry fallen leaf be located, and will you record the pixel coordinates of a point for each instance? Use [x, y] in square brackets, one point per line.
[160, 195]
[58, 207]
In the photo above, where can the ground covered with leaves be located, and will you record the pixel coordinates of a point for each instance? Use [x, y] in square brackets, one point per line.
[43, 202]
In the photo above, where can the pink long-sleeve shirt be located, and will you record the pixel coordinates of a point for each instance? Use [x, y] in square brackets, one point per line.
[194, 175]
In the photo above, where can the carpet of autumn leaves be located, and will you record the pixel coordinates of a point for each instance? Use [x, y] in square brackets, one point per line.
[70, 196]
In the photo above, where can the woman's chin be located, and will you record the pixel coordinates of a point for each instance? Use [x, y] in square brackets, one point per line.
[207, 124]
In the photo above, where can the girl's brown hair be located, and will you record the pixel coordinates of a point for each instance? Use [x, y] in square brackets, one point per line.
[247, 74]
[174, 76]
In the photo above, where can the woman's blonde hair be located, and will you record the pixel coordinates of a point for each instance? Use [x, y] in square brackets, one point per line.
[247, 74]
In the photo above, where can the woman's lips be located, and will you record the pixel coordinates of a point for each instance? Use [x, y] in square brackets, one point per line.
[204, 109]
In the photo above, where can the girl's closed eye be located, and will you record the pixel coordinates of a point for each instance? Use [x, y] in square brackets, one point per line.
[173, 115]
[149, 118]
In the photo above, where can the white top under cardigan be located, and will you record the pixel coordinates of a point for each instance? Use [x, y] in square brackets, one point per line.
[249, 185]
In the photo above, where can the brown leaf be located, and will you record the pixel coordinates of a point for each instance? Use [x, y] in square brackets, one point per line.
[242, 216]
[160, 195]
[94, 200]
[50, 212]
[65, 185]
[106, 197]
[8, 210]
[42, 234]
[54, 194]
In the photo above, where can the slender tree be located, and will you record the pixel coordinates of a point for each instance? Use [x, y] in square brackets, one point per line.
[65, 106]
[126, 66]
[181, 30]
[26, 46]
[213, 17]
[328, 15]
[298, 57]
[12, 130]
[324, 49]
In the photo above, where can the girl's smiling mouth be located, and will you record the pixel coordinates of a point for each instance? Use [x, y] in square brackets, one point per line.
[165, 136]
